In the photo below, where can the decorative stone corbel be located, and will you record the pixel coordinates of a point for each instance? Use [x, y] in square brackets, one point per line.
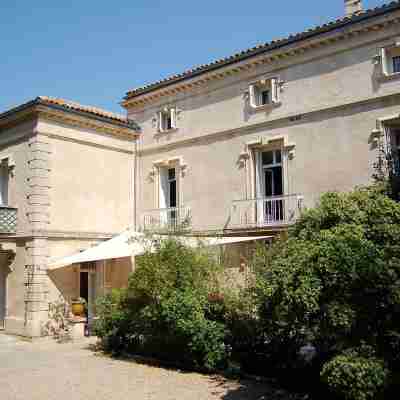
[376, 59]
[154, 121]
[184, 170]
[243, 157]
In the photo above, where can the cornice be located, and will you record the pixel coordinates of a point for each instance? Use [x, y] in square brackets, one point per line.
[72, 119]
[291, 119]
[269, 57]
[52, 112]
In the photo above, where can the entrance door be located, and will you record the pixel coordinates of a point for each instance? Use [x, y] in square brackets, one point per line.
[2, 296]
[84, 285]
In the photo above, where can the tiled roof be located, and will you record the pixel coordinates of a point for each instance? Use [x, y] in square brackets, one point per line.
[265, 47]
[75, 107]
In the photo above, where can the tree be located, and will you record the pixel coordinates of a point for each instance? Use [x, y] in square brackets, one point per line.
[335, 281]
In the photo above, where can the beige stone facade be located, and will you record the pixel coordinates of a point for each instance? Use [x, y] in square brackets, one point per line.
[70, 183]
[330, 90]
[237, 147]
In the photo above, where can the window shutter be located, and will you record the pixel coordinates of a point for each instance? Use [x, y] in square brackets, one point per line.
[252, 96]
[173, 118]
[274, 91]
[384, 61]
[259, 192]
[160, 121]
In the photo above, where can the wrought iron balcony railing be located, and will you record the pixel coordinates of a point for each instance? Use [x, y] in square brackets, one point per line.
[8, 220]
[167, 219]
[266, 212]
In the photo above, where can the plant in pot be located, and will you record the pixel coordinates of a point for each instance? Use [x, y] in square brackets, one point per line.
[79, 307]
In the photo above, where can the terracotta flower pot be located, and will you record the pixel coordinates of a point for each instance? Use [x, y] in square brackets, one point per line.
[78, 309]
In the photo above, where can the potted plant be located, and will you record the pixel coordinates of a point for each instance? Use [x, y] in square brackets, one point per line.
[78, 307]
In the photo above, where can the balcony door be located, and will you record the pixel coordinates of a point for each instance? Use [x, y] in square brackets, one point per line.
[168, 196]
[270, 206]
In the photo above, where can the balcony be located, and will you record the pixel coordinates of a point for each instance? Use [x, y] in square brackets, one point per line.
[8, 220]
[266, 212]
[167, 219]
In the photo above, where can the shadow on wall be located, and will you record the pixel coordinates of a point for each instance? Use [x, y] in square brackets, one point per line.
[65, 281]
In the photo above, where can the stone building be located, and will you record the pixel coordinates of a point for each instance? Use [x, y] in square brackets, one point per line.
[66, 184]
[237, 147]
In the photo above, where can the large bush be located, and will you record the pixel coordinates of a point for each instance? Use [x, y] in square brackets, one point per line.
[334, 283]
[169, 309]
[355, 377]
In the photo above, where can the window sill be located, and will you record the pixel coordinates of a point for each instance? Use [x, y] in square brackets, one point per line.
[266, 107]
[167, 131]
[389, 77]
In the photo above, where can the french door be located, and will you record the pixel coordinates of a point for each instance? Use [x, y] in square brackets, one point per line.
[271, 187]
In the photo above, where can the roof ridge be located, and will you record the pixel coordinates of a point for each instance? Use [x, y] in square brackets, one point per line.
[72, 106]
[275, 43]
[75, 105]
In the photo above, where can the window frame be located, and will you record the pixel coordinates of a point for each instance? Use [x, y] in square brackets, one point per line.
[167, 120]
[258, 88]
[388, 55]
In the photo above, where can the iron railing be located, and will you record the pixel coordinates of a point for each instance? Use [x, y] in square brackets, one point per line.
[266, 211]
[8, 220]
[167, 219]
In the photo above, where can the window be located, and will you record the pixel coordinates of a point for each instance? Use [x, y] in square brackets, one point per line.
[263, 93]
[390, 60]
[395, 149]
[4, 172]
[167, 120]
[396, 64]
[269, 186]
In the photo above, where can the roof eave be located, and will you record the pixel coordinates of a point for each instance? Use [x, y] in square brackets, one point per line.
[328, 28]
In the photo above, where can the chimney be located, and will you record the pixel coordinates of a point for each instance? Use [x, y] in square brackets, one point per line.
[353, 7]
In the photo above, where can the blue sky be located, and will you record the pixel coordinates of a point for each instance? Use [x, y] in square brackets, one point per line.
[94, 51]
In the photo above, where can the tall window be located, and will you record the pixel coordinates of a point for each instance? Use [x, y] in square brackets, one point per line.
[396, 64]
[4, 182]
[269, 186]
[395, 149]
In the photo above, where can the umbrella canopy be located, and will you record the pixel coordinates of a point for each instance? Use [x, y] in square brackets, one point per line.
[131, 243]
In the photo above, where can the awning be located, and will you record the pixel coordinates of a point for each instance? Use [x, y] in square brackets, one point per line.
[130, 243]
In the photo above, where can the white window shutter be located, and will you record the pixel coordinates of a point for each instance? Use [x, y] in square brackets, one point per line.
[384, 61]
[173, 118]
[274, 90]
[252, 96]
[160, 121]
[259, 192]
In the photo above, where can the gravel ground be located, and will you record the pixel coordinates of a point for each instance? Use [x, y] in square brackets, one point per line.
[47, 370]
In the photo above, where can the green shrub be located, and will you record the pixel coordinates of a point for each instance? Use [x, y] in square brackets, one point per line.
[355, 377]
[334, 281]
[169, 309]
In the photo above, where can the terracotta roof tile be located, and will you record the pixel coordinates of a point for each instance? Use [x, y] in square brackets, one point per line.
[264, 47]
[75, 107]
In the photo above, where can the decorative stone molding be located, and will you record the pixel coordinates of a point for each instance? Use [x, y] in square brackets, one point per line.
[169, 163]
[269, 57]
[265, 141]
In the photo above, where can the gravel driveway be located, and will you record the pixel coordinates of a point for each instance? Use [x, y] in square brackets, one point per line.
[46, 370]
